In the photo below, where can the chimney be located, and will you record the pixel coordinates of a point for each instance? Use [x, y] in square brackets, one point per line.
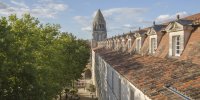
[178, 17]
[139, 28]
[154, 23]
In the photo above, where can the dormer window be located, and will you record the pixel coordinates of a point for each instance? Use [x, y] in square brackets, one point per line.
[123, 43]
[129, 43]
[109, 43]
[179, 34]
[115, 44]
[138, 45]
[118, 44]
[138, 41]
[153, 45]
[176, 45]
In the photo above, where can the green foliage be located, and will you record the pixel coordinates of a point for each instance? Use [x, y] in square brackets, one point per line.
[73, 91]
[36, 60]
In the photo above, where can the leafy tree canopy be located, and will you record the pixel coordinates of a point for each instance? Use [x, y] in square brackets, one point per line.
[37, 60]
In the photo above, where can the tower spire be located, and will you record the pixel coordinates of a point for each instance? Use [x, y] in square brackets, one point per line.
[99, 17]
[99, 27]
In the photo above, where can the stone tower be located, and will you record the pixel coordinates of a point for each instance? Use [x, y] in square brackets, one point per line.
[99, 28]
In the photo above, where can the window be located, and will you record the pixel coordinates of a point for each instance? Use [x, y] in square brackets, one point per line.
[118, 44]
[102, 26]
[138, 45]
[115, 44]
[132, 95]
[129, 43]
[119, 85]
[176, 45]
[116, 86]
[112, 76]
[153, 45]
[123, 43]
[109, 76]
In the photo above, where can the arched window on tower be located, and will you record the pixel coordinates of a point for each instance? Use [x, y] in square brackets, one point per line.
[102, 26]
[96, 27]
[100, 37]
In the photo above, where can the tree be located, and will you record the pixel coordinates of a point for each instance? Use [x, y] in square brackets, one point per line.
[37, 60]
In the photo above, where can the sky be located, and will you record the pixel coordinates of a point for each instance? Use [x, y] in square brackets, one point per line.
[122, 16]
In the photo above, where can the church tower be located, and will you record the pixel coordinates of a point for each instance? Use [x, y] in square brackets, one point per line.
[99, 28]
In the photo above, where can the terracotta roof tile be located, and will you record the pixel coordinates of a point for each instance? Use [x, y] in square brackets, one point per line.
[151, 74]
[193, 17]
[163, 47]
[145, 46]
[192, 48]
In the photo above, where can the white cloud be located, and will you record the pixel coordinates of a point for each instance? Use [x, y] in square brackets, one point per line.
[58, 7]
[88, 29]
[162, 18]
[127, 25]
[122, 11]
[120, 20]
[41, 8]
[19, 4]
[144, 21]
[85, 23]
[6, 9]
[167, 17]
[122, 14]
[83, 20]
[3, 5]
[117, 19]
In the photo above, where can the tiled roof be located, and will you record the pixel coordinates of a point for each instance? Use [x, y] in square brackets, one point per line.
[151, 74]
[130, 33]
[163, 47]
[158, 28]
[193, 17]
[184, 22]
[142, 31]
[145, 47]
[192, 49]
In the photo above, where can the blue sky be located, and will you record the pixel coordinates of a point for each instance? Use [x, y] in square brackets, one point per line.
[121, 15]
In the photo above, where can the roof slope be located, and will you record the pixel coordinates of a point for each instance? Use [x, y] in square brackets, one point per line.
[193, 17]
[151, 74]
[163, 47]
[192, 49]
[145, 47]
[99, 17]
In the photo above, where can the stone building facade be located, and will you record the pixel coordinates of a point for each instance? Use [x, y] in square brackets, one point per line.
[99, 29]
[160, 62]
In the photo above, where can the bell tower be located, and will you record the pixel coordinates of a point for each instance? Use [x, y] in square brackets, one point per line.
[99, 29]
